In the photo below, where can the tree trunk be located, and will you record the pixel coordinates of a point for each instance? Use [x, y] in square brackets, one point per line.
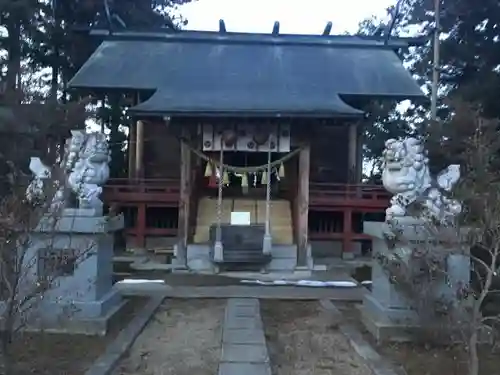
[14, 59]
[473, 356]
[54, 85]
[6, 365]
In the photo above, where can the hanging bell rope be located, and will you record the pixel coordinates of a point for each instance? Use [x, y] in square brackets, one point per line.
[240, 170]
[218, 247]
[267, 240]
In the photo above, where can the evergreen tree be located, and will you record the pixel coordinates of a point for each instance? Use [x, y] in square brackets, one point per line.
[469, 49]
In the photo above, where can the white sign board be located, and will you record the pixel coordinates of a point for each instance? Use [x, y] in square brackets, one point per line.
[240, 218]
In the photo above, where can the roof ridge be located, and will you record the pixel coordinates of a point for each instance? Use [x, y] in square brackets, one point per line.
[194, 36]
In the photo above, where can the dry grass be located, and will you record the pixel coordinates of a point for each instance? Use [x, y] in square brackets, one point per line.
[426, 360]
[183, 338]
[303, 340]
[62, 354]
[417, 359]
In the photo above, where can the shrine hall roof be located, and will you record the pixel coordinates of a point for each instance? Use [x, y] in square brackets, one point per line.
[253, 74]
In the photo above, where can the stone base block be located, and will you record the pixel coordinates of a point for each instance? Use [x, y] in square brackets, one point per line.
[79, 317]
[387, 331]
[198, 258]
[84, 309]
[348, 255]
[401, 325]
[92, 327]
[388, 324]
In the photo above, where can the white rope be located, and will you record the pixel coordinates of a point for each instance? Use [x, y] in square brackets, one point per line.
[233, 168]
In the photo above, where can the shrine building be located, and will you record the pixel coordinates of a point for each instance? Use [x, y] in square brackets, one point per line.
[247, 148]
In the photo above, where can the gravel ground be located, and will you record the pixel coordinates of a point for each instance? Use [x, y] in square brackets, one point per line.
[65, 354]
[183, 338]
[302, 340]
[422, 359]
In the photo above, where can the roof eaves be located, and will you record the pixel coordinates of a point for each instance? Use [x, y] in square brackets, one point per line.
[245, 113]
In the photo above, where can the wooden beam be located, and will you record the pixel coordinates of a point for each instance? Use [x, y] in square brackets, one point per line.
[328, 28]
[222, 26]
[276, 28]
[303, 204]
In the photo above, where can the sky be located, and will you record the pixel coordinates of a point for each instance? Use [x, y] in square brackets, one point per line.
[294, 16]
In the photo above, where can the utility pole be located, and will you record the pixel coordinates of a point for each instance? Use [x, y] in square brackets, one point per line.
[435, 63]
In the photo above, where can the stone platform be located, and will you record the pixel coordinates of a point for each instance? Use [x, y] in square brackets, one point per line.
[283, 259]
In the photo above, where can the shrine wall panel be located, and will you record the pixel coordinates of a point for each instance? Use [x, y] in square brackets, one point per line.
[162, 155]
[329, 153]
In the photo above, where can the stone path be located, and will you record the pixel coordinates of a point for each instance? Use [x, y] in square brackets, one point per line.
[244, 350]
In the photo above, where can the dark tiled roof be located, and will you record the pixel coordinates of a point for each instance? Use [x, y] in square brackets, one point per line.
[214, 73]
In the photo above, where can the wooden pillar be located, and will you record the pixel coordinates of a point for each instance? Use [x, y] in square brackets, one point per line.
[303, 205]
[139, 151]
[359, 154]
[347, 250]
[132, 137]
[354, 178]
[184, 199]
[352, 154]
[141, 228]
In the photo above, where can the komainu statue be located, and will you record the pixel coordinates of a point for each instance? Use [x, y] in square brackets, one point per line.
[406, 175]
[85, 166]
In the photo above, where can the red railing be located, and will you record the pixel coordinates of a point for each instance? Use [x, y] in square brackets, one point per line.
[152, 232]
[153, 190]
[323, 197]
[345, 195]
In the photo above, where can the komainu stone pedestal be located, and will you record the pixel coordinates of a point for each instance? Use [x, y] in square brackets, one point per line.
[386, 313]
[81, 298]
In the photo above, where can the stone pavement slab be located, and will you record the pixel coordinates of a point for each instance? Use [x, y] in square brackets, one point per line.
[243, 336]
[244, 369]
[244, 353]
[246, 302]
[243, 322]
[244, 350]
[243, 311]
